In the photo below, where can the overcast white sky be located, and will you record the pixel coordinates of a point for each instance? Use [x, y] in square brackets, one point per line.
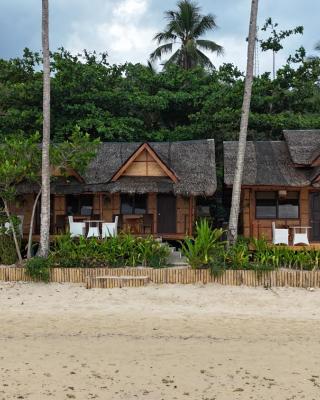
[124, 28]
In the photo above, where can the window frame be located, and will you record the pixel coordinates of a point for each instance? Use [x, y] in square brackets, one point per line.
[277, 205]
[134, 203]
[79, 203]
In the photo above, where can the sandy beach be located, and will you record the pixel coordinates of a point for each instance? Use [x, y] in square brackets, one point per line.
[61, 341]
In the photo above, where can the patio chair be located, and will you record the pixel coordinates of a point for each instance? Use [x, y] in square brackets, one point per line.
[300, 237]
[279, 236]
[110, 228]
[76, 228]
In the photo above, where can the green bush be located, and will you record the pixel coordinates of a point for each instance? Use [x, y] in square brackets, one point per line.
[238, 256]
[206, 248]
[8, 254]
[38, 268]
[123, 250]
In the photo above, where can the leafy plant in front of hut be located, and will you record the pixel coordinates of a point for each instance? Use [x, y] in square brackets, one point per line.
[38, 268]
[238, 256]
[206, 248]
[123, 250]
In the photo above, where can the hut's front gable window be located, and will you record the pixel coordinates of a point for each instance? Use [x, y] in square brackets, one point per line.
[271, 205]
[133, 204]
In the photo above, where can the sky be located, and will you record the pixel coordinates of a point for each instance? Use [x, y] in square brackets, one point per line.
[125, 28]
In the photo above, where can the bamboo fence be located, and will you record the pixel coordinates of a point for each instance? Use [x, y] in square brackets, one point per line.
[141, 276]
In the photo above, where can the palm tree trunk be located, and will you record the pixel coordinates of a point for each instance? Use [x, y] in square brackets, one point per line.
[14, 234]
[236, 191]
[32, 224]
[45, 198]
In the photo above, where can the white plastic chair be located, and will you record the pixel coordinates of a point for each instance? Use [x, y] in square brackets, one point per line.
[300, 237]
[110, 228]
[279, 236]
[76, 228]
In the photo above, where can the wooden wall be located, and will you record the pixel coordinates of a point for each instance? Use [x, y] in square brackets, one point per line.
[259, 228]
[144, 165]
[23, 206]
[152, 209]
[107, 205]
[183, 218]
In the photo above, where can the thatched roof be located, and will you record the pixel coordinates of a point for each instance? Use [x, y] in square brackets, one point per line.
[266, 163]
[193, 162]
[304, 145]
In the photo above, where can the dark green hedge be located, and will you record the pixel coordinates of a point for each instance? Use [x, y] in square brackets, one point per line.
[8, 254]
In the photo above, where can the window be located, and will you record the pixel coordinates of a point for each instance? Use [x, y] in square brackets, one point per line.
[133, 204]
[79, 205]
[271, 205]
[266, 205]
[289, 207]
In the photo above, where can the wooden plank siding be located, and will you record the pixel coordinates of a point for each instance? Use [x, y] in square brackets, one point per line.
[23, 206]
[262, 228]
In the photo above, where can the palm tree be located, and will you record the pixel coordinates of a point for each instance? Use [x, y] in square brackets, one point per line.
[237, 180]
[186, 26]
[45, 195]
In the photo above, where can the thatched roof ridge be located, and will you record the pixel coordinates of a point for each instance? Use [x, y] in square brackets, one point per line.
[304, 145]
[266, 163]
[192, 161]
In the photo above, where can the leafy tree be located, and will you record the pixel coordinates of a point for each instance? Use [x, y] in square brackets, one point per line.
[186, 26]
[18, 162]
[72, 154]
[274, 42]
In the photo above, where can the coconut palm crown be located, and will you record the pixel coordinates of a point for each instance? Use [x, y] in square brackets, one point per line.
[186, 26]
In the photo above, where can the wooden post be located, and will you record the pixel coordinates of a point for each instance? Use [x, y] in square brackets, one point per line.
[190, 214]
[100, 206]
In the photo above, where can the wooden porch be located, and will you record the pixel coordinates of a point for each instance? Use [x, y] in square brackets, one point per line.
[161, 215]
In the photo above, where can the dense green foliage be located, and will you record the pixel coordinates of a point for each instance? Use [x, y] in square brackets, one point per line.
[208, 250]
[38, 268]
[121, 251]
[8, 254]
[132, 102]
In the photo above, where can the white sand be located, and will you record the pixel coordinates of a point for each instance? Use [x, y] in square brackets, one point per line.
[159, 342]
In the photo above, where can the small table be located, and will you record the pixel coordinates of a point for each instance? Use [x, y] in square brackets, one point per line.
[93, 231]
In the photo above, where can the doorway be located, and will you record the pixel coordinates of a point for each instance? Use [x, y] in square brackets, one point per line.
[167, 210]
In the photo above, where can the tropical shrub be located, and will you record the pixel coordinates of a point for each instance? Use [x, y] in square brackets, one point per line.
[8, 254]
[38, 268]
[206, 248]
[238, 256]
[123, 250]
